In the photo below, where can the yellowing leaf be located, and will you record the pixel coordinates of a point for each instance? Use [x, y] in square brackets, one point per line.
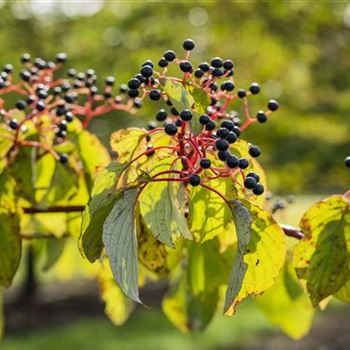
[260, 253]
[10, 241]
[162, 207]
[92, 153]
[241, 149]
[322, 257]
[126, 141]
[119, 239]
[287, 305]
[5, 145]
[117, 306]
[209, 215]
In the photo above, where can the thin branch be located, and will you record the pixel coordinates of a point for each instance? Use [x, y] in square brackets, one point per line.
[68, 209]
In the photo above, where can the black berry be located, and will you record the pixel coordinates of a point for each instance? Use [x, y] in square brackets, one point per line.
[231, 137]
[216, 62]
[162, 63]
[69, 117]
[221, 145]
[272, 105]
[254, 88]
[241, 93]
[148, 63]
[204, 119]
[195, 180]
[227, 124]
[21, 105]
[161, 115]
[222, 132]
[170, 129]
[217, 72]
[13, 124]
[154, 95]
[254, 151]
[188, 44]
[198, 73]
[186, 66]
[178, 123]
[228, 64]
[347, 162]
[255, 176]
[186, 115]
[261, 117]
[205, 163]
[169, 55]
[227, 86]
[152, 125]
[210, 125]
[133, 93]
[243, 163]
[223, 155]
[146, 71]
[134, 83]
[204, 66]
[40, 106]
[258, 189]
[232, 161]
[63, 158]
[250, 183]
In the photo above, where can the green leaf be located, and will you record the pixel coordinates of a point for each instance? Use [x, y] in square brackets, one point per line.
[117, 306]
[201, 102]
[119, 239]
[209, 215]
[162, 209]
[103, 196]
[189, 312]
[343, 294]
[92, 153]
[126, 141]
[182, 99]
[63, 185]
[52, 251]
[22, 171]
[287, 305]
[43, 171]
[178, 95]
[10, 241]
[322, 257]
[260, 253]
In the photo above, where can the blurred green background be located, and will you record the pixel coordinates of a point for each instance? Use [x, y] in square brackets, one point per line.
[298, 50]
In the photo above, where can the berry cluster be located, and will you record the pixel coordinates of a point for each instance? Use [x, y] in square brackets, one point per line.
[44, 96]
[201, 151]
